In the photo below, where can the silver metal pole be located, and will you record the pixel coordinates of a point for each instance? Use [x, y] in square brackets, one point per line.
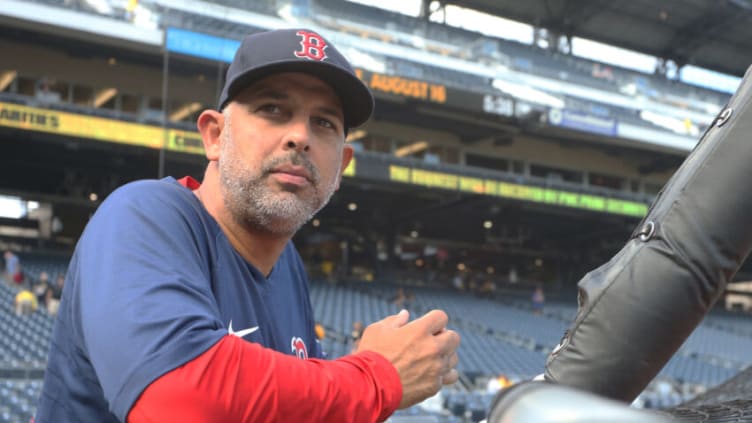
[165, 133]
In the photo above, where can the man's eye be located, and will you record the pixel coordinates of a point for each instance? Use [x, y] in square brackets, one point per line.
[270, 108]
[326, 123]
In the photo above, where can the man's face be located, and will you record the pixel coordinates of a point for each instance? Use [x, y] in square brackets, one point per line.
[282, 152]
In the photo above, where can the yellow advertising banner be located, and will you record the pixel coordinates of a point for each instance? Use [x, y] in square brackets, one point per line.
[184, 141]
[516, 191]
[434, 179]
[399, 174]
[472, 185]
[71, 124]
[98, 128]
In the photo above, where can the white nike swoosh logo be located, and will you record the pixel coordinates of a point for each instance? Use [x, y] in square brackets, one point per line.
[241, 333]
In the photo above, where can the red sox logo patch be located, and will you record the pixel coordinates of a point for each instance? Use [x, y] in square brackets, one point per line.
[299, 348]
[312, 46]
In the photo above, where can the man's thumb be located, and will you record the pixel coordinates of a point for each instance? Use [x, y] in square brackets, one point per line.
[398, 320]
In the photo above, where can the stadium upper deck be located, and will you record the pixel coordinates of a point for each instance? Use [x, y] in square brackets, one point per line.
[592, 96]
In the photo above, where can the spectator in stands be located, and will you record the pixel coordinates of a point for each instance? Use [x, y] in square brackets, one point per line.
[327, 269]
[488, 289]
[320, 331]
[458, 282]
[409, 300]
[399, 298]
[355, 335]
[44, 91]
[54, 294]
[538, 300]
[12, 265]
[19, 277]
[25, 302]
[187, 301]
[40, 288]
[513, 277]
[473, 282]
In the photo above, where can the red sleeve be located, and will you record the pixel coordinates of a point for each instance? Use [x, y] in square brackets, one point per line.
[241, 381]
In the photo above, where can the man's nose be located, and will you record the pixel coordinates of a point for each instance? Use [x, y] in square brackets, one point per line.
[299, 135]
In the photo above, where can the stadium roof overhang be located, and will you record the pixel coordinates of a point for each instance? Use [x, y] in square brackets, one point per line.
[708, 33]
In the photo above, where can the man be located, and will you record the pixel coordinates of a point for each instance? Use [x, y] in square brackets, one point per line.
[356, 334]
[25, 302]
[53, 294]
[40, 288]
[188, 302]
[12, 265]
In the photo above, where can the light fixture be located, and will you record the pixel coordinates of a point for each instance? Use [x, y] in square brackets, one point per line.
[414, 234]
[316, 223]
[356, 135]
[6, 78]
[93, 196]
[103, 96]
[11, 207]
[461, 266]
[409, 149]
[487, 224]
[184, 111]
[352, 206]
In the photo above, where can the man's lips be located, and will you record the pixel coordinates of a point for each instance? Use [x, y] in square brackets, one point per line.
[296, 175]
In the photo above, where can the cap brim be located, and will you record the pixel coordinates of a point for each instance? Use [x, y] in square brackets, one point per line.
[357, 100]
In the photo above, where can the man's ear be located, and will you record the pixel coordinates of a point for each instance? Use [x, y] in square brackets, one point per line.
[210, 125]
[347, 155]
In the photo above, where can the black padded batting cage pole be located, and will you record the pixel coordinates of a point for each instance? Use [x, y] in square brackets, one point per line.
[636, 310]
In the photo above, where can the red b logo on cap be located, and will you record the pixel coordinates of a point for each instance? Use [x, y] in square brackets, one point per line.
[312, 46]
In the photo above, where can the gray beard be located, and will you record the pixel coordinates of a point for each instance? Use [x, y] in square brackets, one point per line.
[252, 203]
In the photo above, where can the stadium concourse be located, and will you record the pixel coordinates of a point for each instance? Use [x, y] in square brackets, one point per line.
[490, 168]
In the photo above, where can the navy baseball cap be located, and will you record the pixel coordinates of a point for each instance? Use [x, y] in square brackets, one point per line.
[298, 50]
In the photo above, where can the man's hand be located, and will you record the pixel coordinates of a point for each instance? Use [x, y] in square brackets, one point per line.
[423, 351]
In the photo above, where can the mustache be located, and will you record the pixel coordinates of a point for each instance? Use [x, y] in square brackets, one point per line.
[295, 159]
